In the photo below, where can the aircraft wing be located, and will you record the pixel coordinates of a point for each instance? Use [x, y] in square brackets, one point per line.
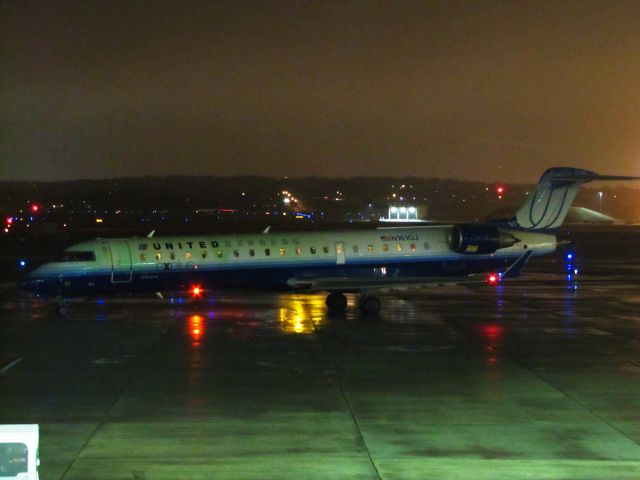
[386, 284]
[382, 284]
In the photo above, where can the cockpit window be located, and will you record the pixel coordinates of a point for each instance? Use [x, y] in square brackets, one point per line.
[76, 257]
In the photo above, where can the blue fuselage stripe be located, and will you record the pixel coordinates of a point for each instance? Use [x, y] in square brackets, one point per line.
[270, 276]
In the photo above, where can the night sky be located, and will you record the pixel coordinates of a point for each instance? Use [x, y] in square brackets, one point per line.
[474, 90]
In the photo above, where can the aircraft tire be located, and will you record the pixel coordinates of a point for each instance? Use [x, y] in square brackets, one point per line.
[336, 302]
[370, 305]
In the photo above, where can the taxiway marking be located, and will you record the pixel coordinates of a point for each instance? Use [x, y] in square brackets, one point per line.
[9, 365]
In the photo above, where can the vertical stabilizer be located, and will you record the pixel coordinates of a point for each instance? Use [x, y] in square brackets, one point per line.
[549, 203]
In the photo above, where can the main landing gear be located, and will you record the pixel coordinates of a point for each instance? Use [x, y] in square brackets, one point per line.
[337, 302]
[370, 305]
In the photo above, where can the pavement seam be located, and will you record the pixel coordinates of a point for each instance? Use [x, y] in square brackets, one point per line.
[345, 398]
[532, 371]
[105, 417]
[574, 400]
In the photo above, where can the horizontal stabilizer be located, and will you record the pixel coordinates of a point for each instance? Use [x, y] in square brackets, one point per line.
[516, 267]
[584, 176]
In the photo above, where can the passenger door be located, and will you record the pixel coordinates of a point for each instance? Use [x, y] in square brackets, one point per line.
[120, 261]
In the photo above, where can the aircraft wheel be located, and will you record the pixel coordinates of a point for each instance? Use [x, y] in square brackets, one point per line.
[336, 302]
[370, 305]
[62, 310]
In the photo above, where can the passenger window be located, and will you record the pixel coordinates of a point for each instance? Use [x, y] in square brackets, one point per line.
[143, 257]
[426, 245]
[187, 256]
[282, 251]
[267, 252]
[355, 249]
[236, 253]
[413, 247]
[370, 248]
[385, 247]
[325, 249]
[158, 256]
[204, 254]
[298, 250]
[71, 256]
[399, 247]
[172, 255]
[219, 253]
[252, 253]
[312, 250]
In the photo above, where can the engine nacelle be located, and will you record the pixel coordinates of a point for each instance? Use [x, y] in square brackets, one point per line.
[479, 239]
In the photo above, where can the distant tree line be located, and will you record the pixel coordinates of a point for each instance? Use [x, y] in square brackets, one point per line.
[444, 197]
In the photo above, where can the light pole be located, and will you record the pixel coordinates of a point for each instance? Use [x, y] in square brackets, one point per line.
[600, 197]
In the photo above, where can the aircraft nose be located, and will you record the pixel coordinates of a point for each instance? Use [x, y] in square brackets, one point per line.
[27, 282]
[31, 282]
[27, 285]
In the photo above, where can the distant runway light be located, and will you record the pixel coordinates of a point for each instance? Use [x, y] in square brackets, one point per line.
[22, 263]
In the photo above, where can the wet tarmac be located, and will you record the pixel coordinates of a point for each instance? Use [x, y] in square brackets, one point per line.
[537, 378]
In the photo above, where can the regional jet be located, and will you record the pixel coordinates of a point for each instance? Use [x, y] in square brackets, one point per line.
[336, 262]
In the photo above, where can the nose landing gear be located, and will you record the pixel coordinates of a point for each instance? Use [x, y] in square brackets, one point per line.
[62, 308]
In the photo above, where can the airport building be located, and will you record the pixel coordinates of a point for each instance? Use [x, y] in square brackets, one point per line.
[402, 212]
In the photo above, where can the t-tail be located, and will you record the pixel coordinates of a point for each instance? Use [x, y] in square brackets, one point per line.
[548, 205]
